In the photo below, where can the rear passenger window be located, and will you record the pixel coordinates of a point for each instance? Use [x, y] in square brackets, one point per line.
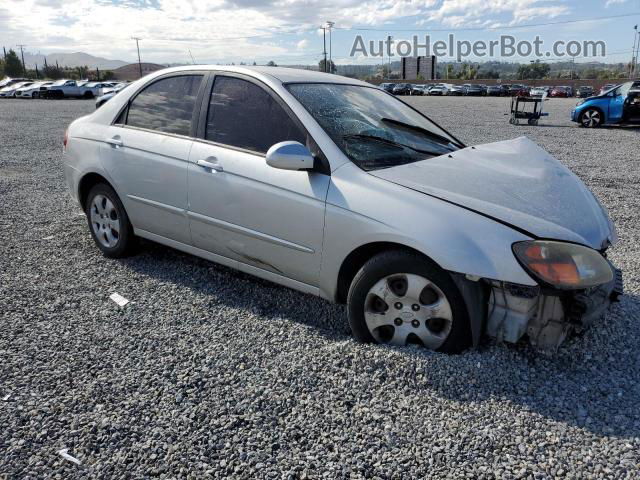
[166, 105]
[242, 114]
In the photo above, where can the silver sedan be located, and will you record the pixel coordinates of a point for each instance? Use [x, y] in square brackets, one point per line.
[336, 188]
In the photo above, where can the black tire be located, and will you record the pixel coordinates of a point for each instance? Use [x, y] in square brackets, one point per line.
[35, 95]
[88, 95]
[126, 240]
[591, 118]
[396, 262]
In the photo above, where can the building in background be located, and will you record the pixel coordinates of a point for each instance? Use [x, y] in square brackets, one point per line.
[418, 68]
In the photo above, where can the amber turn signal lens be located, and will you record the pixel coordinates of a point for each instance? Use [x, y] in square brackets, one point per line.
[563, 265]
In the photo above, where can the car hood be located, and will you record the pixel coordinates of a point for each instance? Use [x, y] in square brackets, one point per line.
[514, 182]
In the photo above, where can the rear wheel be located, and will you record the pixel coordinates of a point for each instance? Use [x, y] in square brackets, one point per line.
[108, 222]
[35, 95]
[88, 95]
[591, 118]
[400, 298]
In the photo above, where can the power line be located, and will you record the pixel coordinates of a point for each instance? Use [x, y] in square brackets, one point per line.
[512, 27]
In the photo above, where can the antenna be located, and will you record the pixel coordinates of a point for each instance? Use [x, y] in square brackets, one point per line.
[192, 60]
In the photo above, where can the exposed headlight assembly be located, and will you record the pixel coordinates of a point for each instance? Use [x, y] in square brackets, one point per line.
[563, 265]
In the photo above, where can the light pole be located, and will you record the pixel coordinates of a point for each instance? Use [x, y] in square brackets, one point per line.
[137, 39]
[330, 26]
[324, 47]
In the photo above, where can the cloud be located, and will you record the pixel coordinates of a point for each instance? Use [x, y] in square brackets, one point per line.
[233, 30]
[457, 13]
[614, 2]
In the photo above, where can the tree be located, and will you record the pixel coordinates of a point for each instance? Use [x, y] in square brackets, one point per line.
[13, 65]
[271, 64]
[82, 71]
[331, 67]
[534, 71]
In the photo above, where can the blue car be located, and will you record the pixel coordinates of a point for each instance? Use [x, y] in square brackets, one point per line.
[619, 105]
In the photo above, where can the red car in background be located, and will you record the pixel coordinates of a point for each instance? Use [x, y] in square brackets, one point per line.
[561, 92]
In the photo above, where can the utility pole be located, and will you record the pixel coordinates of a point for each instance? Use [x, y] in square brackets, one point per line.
[137, 39]
[637, 53]
[324, 47]
[24, 68]
[632, 66]
[330, 25]
[5, 53]
[389, 54]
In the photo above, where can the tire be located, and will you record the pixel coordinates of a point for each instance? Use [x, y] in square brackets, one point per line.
[35, 95]
[429, 311]
[88, 95]
[109, 223]
[591, 118]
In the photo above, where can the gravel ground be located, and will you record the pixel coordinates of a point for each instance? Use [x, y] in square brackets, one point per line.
[209, 372]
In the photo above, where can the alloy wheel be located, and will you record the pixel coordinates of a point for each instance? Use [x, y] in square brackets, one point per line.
[407, 308]
[591, 118]
[105, 221]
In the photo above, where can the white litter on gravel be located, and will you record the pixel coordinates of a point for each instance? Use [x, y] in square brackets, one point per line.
[119, 299]
[63, 453]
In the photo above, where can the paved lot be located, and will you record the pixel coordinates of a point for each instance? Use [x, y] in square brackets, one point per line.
[209, 372]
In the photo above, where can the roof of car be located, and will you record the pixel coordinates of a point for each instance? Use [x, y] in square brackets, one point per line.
[282, 74]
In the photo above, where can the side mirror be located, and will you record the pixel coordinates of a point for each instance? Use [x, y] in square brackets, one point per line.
[290, 156]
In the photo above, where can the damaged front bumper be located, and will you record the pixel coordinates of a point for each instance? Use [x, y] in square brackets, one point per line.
[545, 315]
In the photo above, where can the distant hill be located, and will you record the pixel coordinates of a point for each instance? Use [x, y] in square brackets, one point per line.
[77, 59]
[132, 70]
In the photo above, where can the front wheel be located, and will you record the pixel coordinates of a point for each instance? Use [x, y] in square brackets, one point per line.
[591, 118]
[108, 222]
[401, 298]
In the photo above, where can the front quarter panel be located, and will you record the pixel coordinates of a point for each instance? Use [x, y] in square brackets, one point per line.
[363, 209]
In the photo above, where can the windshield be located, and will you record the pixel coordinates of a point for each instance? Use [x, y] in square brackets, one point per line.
[622, 89]
[374, 129]
[60, 82]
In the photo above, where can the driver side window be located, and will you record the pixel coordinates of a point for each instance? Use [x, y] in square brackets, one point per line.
[242, 114]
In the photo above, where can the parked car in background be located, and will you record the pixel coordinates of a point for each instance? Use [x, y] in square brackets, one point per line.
[456, 90]
[494, 91]
[440, 89]
[539, 91]
[8, 81]
[10, 90]
[110, 93]
[387, 87]
[606, 88]
[419, 90]
[70, 89]
[585, 92]
[402, 89]
[474, 90]
[519, 90]
[32, 90]
[468, 240]
[561, 92]
[620, 105]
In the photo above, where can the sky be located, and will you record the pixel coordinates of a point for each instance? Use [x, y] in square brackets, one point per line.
[287, 31]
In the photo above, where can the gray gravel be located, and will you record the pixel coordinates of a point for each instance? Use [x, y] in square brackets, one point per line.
[209, 372]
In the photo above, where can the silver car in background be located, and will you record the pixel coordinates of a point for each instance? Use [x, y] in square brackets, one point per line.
[334, 187]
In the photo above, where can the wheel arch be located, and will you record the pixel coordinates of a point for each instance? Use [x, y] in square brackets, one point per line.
[86, 183]
[358, 257]
[594, 107]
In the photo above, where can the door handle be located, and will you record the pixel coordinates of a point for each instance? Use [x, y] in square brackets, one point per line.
[115, 141]
[213, 166]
